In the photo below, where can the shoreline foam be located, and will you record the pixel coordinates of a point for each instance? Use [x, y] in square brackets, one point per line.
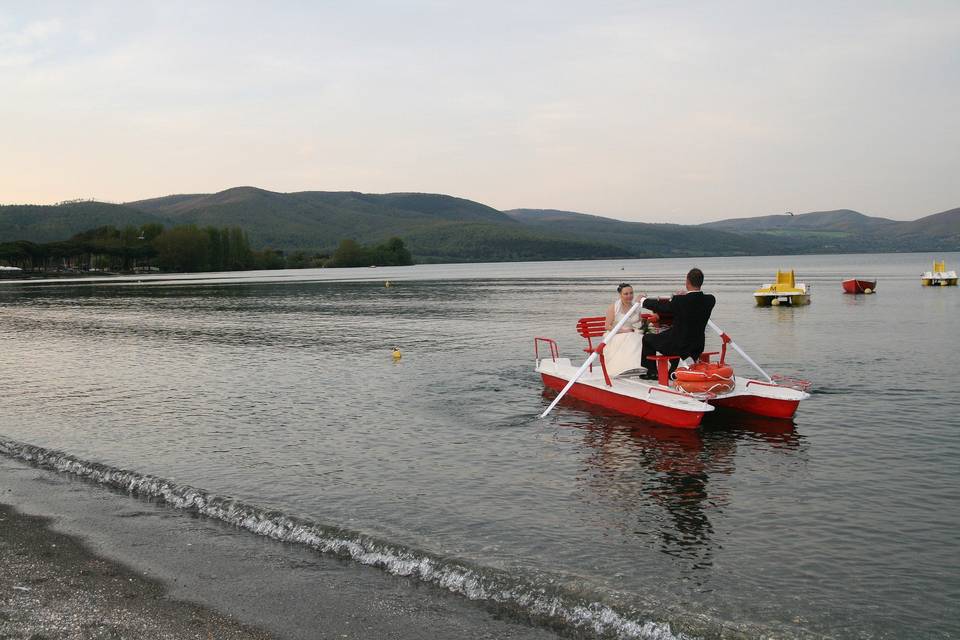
[543, 604]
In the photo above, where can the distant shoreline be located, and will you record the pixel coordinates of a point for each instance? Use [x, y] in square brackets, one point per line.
[55, 275]
[44, 275]
[601, 267]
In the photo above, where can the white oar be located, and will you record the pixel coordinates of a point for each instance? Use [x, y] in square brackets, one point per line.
[594, 355]
[733, 344]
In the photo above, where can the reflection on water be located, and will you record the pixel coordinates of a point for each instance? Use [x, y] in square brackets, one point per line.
[659, 478]
[646, 469]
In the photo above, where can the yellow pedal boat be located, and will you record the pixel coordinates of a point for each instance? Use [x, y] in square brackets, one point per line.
[784, 291]
[939, 276]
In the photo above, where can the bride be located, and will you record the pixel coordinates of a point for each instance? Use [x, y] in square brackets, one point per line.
[623, 351]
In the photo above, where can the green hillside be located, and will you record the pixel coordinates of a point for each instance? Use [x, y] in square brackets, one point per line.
[840, 220]
[649, 240]
[845, 230]
[41, 223]
[319, 220]
[438, 227]
[453, 242]
[938, 231]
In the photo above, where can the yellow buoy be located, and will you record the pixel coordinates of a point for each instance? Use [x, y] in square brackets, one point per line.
[388, 284]
[868, 290]
[396, 353]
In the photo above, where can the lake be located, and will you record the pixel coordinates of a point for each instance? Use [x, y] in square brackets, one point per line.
[278, 389]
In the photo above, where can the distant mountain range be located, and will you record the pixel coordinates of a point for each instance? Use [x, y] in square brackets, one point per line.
[447, 229]
[849, 231]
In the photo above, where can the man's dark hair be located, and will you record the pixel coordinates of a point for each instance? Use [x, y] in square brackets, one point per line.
[695, 277]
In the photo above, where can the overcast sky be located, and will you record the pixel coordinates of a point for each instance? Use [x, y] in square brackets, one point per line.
[652, 111]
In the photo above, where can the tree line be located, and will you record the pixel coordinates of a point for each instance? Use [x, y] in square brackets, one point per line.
[184, 248]
[351, 253]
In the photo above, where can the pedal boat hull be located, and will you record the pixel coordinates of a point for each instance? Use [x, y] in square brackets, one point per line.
[631, 397]
[856, 285]
[662, 405]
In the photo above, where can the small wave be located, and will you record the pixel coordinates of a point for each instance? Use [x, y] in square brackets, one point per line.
[545, 604]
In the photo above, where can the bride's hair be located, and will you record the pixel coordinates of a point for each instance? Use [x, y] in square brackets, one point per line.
[622, 286]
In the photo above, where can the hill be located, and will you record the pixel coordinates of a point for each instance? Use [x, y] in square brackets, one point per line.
[840, 220]
[49, 223]
[852, 231]
[454, 242]
[435, 227]
[938, 231]
[648, 240]
[438, 227]
[319, 220]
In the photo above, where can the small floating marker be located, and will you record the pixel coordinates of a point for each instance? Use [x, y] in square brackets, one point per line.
[388, 284]
[868, 290]
[396, 354]
[775, 302]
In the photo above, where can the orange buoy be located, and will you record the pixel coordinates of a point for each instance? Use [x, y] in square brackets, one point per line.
[705, 377]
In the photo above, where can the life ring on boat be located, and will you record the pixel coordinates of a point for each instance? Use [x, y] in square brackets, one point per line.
[705, 377]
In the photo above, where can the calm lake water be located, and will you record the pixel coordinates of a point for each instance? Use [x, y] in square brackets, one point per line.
[279, 388]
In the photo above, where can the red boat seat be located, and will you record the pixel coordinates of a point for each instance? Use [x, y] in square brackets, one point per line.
[590, 328]
[663, 368]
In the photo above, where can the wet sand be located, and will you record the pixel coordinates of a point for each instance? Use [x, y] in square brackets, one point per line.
[78, 561]
[51, 586]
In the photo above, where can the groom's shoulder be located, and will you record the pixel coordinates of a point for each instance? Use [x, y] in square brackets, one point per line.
[704, 298]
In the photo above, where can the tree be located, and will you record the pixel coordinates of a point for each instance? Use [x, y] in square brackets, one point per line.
[215, 249]
[350, 253]
[269, 259]
[182, 249]
[241, 257]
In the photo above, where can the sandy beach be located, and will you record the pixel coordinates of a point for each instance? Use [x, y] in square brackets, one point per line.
[54, 587]
[80, 562]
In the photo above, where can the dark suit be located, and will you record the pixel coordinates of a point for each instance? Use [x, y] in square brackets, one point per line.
[684, 338]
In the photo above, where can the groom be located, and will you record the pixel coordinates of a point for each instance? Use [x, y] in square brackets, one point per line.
[691, 311]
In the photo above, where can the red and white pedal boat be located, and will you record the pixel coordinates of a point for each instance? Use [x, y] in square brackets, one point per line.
[663, 401]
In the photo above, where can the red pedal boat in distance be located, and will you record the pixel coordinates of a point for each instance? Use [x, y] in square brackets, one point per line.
[659, 400]
[859, 285]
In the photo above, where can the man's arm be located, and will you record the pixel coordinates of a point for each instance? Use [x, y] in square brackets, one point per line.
[659, 306]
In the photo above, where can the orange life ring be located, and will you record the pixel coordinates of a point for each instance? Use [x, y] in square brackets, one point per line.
[705, 377]
[704, 386]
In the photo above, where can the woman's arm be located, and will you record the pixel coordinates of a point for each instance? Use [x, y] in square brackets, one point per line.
[609, 323]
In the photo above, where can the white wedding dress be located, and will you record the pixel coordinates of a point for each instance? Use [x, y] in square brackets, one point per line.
[623, 351]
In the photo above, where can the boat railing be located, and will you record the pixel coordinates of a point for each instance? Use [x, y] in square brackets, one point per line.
[670, 391]
[554, 349]
[783, 382]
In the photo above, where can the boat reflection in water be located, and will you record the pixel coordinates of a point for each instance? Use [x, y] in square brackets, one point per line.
[670, 487]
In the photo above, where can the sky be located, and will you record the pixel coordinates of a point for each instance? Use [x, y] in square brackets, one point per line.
[650, 111]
